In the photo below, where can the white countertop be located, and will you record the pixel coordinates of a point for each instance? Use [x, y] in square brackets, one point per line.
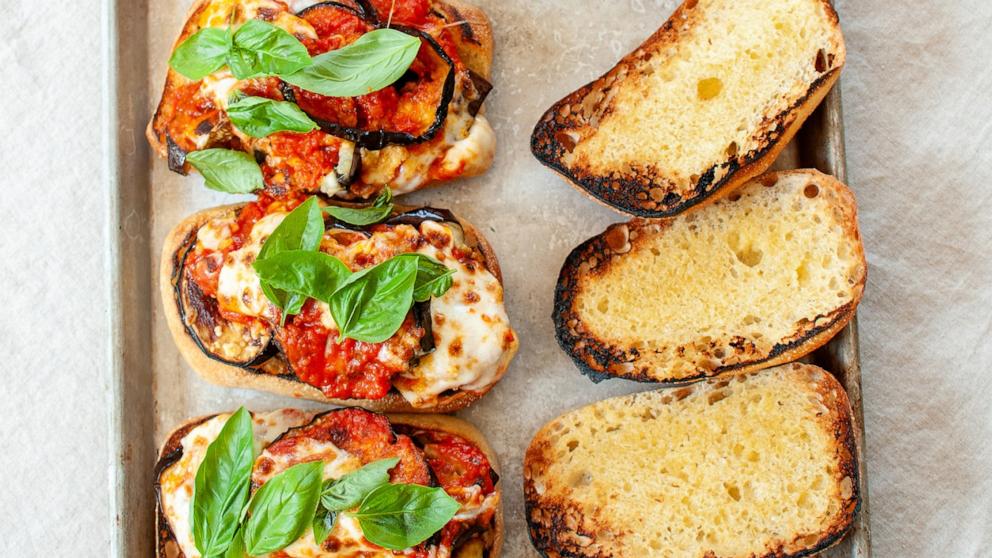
[918, 111]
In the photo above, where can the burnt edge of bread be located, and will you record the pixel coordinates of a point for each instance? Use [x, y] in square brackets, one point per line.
[547, 535]
[598, 360]
[621, 191]
[172, 451]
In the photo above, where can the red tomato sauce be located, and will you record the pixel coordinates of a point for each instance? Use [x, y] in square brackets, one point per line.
[365, 435]
[183, 110]
[347, 369]
[408, 106]
[299, 159]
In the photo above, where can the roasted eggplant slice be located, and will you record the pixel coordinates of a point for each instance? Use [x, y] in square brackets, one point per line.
[394, 115]
[245, 344]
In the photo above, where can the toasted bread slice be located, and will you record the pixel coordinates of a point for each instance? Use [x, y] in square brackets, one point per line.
[274, 375]
[270, 425]
[704, 104]
[748, 466]
[758, 278]
[471, 36]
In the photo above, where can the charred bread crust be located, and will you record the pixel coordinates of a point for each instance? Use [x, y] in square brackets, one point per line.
[620, 193]
[287, 384]
[554, 528]
[474, 42]
[599, 360]
[171, 452]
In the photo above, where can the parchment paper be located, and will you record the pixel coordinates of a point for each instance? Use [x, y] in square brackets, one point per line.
[919, 126]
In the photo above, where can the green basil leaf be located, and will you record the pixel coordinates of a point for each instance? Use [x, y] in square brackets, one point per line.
[312, 274]
[373, 302]
[201, 54]
[433, 279]
[398, 516]
[323, 523]
[282, 508]
[363, 216]
[261, 49]
[302, 229]
[260, 117]
[237, 546]
[221, 485]
[225, 170]
[348, 491]
[377, 59]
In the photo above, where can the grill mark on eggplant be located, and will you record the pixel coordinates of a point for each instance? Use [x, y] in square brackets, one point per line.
[176, 156]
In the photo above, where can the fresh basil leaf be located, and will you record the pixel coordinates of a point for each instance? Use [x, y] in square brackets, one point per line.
[237, 547]
[373, 302]
[302, 229]
[261, 49]
[363, 216]
[399, 516]
[323, 523]
[348, 491]
[221, 485]
[225, 170]
[312, 274]
[282, 508]
[201, 54]
[433, 279]
[377, 59]
[260, 117]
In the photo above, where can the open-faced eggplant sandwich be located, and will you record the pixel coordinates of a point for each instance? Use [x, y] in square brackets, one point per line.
[387, 308]
[338, 97]
[347, 483]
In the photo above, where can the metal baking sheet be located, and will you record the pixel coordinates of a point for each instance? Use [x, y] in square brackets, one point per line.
[543, 51]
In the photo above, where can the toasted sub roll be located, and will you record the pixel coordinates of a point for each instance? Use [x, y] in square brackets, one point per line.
[360, 159]
[183, 450]
[468, 340]
[758, 278]
[752, 465]
[703, 105]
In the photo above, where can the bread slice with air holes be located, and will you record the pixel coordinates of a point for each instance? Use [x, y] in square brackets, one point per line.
[754, 465]
[758, 278]
[704, 104]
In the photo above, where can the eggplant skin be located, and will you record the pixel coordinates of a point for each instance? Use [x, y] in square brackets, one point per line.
[229, 342]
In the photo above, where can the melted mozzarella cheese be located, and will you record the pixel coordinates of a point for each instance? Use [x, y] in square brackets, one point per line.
[177, 480]
[238, 287]
[471, 331]
[219, 86]
[474, 153]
